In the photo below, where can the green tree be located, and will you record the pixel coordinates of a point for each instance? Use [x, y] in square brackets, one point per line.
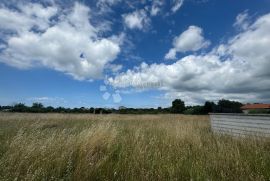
[229, 106]
[178, 106]
[208, 107]
[195, 110]
[37, 107]
[20, 107]
[49, 109]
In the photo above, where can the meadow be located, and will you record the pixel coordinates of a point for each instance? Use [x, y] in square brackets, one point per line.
[125, 147]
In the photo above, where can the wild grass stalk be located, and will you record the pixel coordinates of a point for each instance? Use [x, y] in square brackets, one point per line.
[125, 147]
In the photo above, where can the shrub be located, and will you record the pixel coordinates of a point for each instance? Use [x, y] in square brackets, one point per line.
[259, 111]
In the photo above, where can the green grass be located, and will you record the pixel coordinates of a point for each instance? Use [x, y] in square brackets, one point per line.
[125, 147]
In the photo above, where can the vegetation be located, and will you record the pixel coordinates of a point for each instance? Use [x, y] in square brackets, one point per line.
[178, 106]
[125, 147]
[195, 110]
[227, 106]
[259, 111]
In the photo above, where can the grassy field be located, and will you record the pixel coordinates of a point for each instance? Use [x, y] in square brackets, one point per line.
[125, 147]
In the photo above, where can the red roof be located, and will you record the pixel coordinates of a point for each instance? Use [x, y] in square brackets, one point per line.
[256, 106]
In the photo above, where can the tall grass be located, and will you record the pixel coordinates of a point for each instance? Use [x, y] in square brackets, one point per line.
[125, 147]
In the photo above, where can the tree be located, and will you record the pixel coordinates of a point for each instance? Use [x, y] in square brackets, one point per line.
[49, 109]
[37, 107]
[178, 106]
[91, 110]
[209, 107]
[20, 107]
[60, 109]
[195, 110]
[228, 106]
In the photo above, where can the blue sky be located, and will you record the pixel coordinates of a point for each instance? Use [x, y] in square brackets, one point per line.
[110, 53]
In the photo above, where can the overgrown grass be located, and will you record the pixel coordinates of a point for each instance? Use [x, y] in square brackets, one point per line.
[125, 147]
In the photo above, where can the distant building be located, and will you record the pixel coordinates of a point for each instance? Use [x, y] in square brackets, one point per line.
[246, 108]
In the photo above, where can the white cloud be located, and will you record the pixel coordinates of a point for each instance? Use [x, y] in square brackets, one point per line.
[154, 10]
[105, 5]
[114, 68]
[47, 101]
[31, 15]
[68, 43]
[156, 7]
[190, 40]
[242, 21]
[236, 70]
[137, 20]
[195, 98]
[40, 98]
[177, 5]
[108, 2]
[171, 54]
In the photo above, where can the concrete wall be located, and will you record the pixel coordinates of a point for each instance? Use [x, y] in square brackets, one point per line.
[241, 124]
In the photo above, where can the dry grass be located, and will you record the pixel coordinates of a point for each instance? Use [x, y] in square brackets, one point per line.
[125, 147]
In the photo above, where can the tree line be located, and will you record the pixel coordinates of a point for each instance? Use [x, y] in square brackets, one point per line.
[178, 107]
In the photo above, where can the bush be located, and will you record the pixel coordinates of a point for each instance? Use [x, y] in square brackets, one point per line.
[259, 111]
[195, 110]
[20, 107]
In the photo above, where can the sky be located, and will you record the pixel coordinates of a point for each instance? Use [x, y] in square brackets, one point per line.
[111, 53]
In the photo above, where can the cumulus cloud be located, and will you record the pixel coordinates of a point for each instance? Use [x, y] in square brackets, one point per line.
[171, 54]
[177, 5]
[238, 69]
[242, 21]
[30, 15]
[53, 37]
[114, 68]
[137, 20]
[190, 40]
